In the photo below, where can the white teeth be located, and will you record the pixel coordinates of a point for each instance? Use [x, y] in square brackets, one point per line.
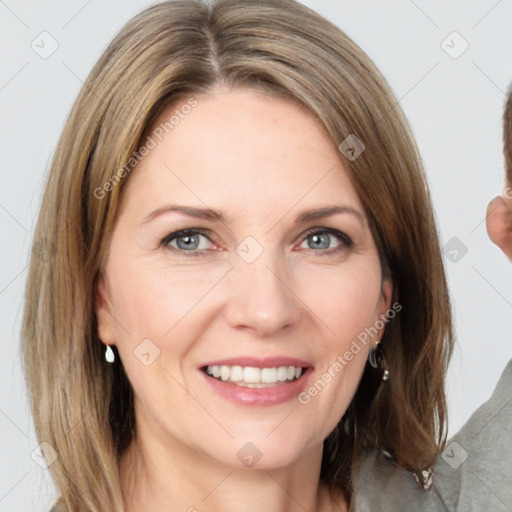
[269, 375]
[237, 374]
[224, 372]
[252, 377]
[259, 385]
[282, 373]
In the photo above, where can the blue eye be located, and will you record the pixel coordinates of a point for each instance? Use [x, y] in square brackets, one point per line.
[320, 238]
[188, 241]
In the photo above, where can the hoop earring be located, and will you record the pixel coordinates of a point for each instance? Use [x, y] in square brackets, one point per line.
[377, 359]
[109, 355]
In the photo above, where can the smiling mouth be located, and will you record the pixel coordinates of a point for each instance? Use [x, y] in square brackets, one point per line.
[252, 377]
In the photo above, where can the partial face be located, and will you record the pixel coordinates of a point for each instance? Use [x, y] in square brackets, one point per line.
[269, 292]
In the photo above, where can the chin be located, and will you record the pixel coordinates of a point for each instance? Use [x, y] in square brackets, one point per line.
[260, 452]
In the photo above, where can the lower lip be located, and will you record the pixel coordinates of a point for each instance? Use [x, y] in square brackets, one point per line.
[259, 397]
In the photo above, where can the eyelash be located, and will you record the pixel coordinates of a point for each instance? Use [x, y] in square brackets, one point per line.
[345, 239]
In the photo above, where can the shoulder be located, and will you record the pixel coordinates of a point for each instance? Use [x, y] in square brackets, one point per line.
[496, 412]
[472, 473]
[477, 461]
[380, 485]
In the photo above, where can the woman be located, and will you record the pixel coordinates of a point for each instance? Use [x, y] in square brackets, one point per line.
[246, 305]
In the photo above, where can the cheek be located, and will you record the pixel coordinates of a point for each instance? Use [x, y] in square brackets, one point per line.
[346, 300]
[152, 299]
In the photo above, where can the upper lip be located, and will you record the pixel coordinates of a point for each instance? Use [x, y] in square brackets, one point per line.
[259, 362]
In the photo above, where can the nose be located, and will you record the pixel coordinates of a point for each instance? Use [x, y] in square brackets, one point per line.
[261, 297]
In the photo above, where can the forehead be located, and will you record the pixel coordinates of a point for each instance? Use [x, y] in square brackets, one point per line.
[243, 149]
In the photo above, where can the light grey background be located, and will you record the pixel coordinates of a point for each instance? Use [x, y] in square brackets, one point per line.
[454, 106]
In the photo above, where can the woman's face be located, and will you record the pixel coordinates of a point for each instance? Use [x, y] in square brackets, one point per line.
[266, 284]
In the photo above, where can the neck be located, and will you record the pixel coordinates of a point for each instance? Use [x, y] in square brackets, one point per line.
[158, 473]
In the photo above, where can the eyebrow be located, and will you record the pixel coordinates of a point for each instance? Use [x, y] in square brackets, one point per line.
[216, 216]
[327, 211]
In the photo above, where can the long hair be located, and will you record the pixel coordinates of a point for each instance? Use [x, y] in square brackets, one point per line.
[82, 407]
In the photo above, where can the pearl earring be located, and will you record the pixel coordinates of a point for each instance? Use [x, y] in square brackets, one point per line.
[109, 354]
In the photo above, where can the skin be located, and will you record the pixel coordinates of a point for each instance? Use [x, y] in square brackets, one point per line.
[499, 223]
[260, 161]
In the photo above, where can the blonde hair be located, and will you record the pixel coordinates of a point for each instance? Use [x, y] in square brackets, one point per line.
[84, 408]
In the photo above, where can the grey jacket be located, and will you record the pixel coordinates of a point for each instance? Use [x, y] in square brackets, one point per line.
[472, 474]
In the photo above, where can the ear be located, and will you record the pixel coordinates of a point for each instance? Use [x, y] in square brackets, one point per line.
[387, 293]
[385, 302]
[499, 224]
[104, 313]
